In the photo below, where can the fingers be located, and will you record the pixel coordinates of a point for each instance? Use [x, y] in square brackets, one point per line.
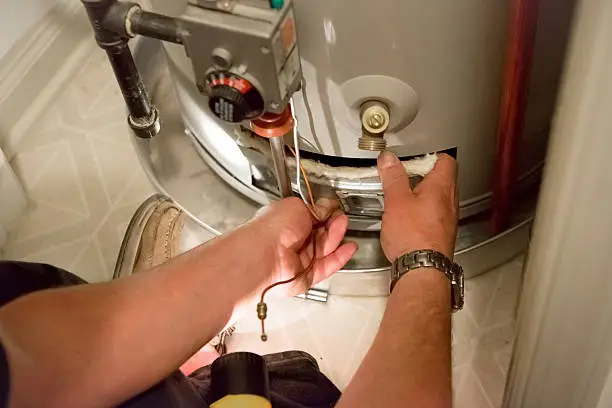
[333, 235]
[396, 183]
[332, 256]
[332, 263]
[443, 177]
[325, 207]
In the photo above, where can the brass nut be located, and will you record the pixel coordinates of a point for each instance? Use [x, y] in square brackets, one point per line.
[372, 143]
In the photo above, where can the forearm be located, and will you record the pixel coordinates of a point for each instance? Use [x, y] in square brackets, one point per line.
[131, 333]
[409, 364]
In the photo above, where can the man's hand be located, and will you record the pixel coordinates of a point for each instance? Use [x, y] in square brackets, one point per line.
[290, 224]
[409, 363]
[423, 218]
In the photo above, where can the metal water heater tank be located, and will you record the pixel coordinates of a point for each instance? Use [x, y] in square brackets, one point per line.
[438, 68]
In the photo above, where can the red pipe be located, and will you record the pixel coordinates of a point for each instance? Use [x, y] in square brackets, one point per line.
[519, 53]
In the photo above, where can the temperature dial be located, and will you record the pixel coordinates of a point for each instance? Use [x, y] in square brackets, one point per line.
[233, 98]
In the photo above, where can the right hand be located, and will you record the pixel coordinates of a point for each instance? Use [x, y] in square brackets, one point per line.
[289, 226]
[423, 218]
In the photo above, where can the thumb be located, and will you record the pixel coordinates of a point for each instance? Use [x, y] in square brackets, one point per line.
[395, 180]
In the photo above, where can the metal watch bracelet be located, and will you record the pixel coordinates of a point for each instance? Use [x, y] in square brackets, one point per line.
[432, 259]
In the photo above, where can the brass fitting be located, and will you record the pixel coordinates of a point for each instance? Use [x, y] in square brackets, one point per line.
[375, 121]
[262, 314]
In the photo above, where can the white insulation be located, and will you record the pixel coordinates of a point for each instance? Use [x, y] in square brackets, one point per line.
[420, 166]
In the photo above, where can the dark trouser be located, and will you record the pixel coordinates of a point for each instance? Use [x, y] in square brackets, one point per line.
[295, 379]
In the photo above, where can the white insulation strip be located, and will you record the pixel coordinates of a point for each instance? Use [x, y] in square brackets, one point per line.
[420, 166]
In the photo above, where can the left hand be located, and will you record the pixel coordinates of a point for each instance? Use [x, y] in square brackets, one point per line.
[292, 224]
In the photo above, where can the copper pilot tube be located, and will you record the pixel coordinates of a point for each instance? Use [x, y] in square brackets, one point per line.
[519, 53]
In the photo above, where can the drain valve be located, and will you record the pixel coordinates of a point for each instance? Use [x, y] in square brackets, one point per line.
[374, 123]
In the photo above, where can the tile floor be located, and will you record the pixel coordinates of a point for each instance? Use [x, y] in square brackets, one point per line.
[84, 183]
[81, 176]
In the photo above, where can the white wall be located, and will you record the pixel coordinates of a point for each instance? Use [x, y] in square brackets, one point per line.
[605, 400]
[17, 17]
[563, 350]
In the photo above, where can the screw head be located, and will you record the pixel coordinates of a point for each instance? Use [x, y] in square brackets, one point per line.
[376, 121]
[374, 117]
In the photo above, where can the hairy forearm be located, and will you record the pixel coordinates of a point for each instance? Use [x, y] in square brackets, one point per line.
[111, 341]
[409, 364]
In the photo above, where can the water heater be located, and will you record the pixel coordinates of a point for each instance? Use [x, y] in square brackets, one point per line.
[437, 68]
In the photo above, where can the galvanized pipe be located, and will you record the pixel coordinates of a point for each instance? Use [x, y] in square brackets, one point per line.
[155, 25]
[105, 17]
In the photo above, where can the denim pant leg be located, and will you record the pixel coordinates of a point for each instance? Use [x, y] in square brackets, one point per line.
[21, 278]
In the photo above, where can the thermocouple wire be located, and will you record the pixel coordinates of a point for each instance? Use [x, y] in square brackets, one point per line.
[312, 202]
[299, 168]
[262, 307]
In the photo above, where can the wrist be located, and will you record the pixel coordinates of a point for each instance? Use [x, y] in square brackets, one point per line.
[426, 277]
[414, 264]
[427, 284]
[406, 249]
[252, 263]
[257, 248]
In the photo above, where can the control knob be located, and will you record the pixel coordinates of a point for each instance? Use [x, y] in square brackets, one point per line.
[233, 98]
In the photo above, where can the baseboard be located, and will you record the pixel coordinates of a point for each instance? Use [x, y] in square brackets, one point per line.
[38, 66]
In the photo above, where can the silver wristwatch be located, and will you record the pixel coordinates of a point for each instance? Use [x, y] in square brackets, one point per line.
[432, 259]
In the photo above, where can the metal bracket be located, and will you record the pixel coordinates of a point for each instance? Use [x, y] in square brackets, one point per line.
[370, 204]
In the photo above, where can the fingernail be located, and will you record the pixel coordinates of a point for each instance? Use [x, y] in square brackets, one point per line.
[387, 159]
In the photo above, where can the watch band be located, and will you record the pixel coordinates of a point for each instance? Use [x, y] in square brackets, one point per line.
[432, 259]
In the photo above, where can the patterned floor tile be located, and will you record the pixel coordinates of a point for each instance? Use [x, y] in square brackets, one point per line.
[81, 176]
[471, 394]
[487, 366]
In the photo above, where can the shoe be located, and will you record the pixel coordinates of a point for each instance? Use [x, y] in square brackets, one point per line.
[152, 237]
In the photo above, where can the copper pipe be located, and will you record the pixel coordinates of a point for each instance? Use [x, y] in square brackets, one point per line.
[519, 53]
